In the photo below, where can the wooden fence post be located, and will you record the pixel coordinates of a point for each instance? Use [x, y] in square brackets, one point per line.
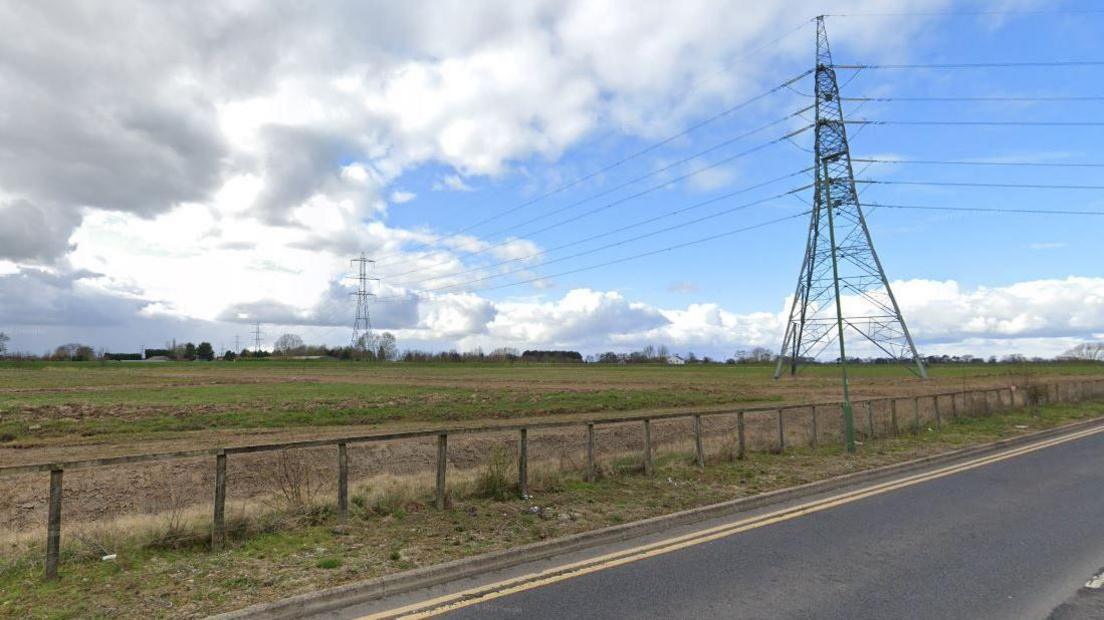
[813, 435]
[590, 473]
[442, 465]
[523, 463]
[218, 528]
[781, 433]
[342, 482]
[938, 416]
[53, 525]
[869, 421]
[916, 414]
[893, 417]
[649, 465]
[954, 405]
[988, 405]
[741, 448]
[699, 449]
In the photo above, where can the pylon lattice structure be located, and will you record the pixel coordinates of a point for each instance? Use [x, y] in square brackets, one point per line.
[257, 338]
[362, 324]
[842, 286]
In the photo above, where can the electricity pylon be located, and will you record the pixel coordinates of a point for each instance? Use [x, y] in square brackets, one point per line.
[842, 287]
[362, 324]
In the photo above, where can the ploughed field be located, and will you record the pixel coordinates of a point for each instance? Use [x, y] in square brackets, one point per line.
[85, 407]
[54, 412]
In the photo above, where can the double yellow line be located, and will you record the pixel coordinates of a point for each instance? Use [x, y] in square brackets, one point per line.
[506, 587]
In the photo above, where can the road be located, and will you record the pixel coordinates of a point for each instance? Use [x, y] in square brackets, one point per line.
[1015, 538]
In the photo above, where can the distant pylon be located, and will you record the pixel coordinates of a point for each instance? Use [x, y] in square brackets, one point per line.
[257, 337]
[362, 324]
[842, 286]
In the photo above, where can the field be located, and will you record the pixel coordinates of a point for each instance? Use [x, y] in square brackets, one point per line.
[66, 404]
[52, 412]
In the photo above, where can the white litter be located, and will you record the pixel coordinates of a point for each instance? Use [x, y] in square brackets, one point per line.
[1096, 582]
[109, 558]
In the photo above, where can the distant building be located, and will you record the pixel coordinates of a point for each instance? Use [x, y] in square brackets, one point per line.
[675, 360]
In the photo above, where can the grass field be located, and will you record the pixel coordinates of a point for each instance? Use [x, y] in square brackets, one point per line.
[51, 403]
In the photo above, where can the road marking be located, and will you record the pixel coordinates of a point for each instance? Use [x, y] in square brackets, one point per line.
[506, 587]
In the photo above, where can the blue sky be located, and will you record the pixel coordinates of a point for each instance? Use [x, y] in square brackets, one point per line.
[751, 272]
[378, 143]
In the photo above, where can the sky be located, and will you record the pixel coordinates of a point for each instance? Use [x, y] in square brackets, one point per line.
[185, 171]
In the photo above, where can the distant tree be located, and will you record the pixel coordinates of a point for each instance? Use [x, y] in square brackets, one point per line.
[73, 352]
[1088, 351]
[503, 354]
[205, 351]
[387, 348]
[189, 351]
[4, 339]
[287, 344]
[367, 343]
[229, 356]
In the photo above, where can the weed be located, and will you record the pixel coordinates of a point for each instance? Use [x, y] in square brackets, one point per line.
[495, 479]
[329, 563]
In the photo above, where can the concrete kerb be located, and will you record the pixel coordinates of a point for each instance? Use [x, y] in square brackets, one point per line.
[400, 583]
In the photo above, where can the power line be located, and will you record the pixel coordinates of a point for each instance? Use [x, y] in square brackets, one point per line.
[969, 13]
[976, 184]
[669, 248]
[616, 188]
[1040, 164]
[979, 65]
[982, 123]
[636, 154]
[626, 241]
[622, 200]
[979, 99]
[627, 227]
[985, 209]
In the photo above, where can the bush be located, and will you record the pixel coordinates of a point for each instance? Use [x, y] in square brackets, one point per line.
[495, 479]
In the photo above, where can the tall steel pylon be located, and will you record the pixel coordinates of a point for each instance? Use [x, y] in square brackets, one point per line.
[257, 337]
[842, 287]
[362, 324]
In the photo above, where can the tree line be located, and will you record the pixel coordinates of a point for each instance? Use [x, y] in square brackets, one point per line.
[384, 347]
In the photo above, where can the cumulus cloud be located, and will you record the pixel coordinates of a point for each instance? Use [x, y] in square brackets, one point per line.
[228, 159]
[401, 197]
[582, 315]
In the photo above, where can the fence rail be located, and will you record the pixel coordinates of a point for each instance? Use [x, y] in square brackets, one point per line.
[1016, 396]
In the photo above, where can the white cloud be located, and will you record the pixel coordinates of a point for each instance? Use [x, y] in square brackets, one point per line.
[451, 182]
[1046, 245]
[400, 197]
[207, 168]
[683, 286]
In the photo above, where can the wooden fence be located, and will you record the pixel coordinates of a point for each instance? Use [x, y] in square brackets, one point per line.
[955, 404]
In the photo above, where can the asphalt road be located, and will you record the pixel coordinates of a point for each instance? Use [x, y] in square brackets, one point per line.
[1013, 539]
